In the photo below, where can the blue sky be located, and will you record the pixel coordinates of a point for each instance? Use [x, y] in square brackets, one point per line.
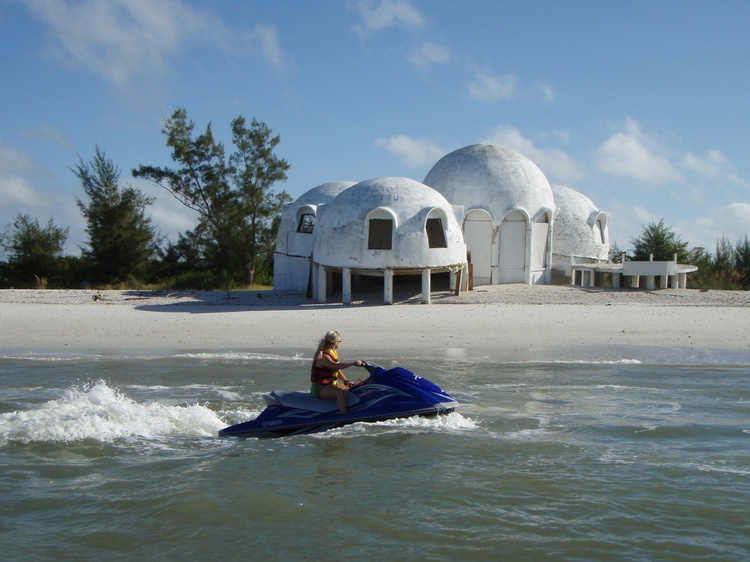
[642, 106]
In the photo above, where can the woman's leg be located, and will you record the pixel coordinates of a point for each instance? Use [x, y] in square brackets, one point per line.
[334, 393]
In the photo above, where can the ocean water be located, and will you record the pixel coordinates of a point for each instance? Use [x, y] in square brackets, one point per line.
[626, 455]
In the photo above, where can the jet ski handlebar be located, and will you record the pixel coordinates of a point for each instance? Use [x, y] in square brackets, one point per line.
[371, 367]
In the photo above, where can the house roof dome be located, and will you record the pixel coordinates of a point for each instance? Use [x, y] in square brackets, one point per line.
[580, 227]
[341, 229]
[491, 177]
[323, 193]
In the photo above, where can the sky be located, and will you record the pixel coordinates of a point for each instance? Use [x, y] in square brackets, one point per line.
[642, 106]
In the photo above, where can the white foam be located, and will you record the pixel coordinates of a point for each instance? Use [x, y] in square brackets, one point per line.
[96, 411]
[448, 423]
[239, 356]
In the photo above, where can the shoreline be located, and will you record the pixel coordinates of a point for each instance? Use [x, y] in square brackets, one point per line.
[513, 322]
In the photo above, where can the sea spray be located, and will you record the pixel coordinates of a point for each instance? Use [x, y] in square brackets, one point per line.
[94, 410]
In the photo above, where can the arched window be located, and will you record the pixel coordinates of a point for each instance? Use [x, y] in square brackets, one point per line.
[305, 220]
[435, 233]
[598, 220]
[600, 228]
[380, 230]
[435, 229]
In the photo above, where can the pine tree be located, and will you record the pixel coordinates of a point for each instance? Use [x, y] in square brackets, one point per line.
[121, 237]
[234, 199]
[34, 252]
[661, 242]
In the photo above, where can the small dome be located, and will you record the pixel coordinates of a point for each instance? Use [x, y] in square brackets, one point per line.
[344, 234]
[287, 241]
[323, 194]
[494, 178]
[580, 227]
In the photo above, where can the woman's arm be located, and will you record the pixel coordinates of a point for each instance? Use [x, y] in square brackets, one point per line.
[325, 361]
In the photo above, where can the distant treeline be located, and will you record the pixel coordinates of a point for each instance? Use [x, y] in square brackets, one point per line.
[232, 244]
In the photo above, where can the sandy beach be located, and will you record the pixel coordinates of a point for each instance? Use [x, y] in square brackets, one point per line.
[501, 320]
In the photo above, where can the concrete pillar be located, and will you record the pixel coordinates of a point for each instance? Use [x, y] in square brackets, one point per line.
[683, 281]
[635, 281]
[453, 278]
[615, 280]
[664, 281]
[388, 287]
[426, 286]
[650, 283]
[346, 285]
[322, 286]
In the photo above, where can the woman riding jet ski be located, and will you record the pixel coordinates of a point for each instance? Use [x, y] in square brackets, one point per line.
[384, 395]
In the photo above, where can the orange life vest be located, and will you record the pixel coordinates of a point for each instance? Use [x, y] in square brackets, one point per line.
[325, 375]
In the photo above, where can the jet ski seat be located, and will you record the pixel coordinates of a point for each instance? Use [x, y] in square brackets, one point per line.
[304, 401]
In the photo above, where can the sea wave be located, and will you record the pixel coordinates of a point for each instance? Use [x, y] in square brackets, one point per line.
[99, 412]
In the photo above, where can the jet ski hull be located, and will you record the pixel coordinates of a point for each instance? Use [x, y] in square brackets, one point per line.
[396, 393]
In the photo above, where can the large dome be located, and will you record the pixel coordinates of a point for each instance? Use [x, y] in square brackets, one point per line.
[494, 178]
[580, 227]
[342, 238]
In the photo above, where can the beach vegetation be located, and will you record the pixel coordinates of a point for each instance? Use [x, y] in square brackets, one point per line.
[742, 261]
[34, 252]
[234, 198]
[122, 240]
[727, 269]
[659, 242]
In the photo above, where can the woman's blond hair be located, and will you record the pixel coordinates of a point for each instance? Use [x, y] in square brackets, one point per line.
[326, 342]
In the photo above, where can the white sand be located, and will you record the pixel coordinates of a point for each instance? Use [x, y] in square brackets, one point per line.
[498, 320]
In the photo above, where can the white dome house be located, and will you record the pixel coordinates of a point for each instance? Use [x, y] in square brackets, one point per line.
[384, 227]
[509, 212]
[294, 240]
[581, 234]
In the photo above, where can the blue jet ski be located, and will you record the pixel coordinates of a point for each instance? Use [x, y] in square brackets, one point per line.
[384, 395]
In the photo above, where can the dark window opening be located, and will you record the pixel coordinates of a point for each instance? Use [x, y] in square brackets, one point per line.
[380, 234]
[436, 234]
[306, 223]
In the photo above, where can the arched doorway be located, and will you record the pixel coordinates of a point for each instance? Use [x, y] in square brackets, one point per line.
[478, 238]
[512, 249]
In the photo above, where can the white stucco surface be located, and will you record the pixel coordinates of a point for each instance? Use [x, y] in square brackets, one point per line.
[289, 241]
[341, 233]
[291, 267]
[575, 229]
[494, 178]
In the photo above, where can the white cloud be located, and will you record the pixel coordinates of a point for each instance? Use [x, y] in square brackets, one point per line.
[11, 160]
[713, 165]
[627, 222]
[48, 134]
[429, 53]
[548, 93]
[731, 221]
[17, 193]
[269, 44]
[556, 164]
[128, 41]
[387, 13]
[737, 215]
[415, 152]
[632, 154]
[491, 88]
